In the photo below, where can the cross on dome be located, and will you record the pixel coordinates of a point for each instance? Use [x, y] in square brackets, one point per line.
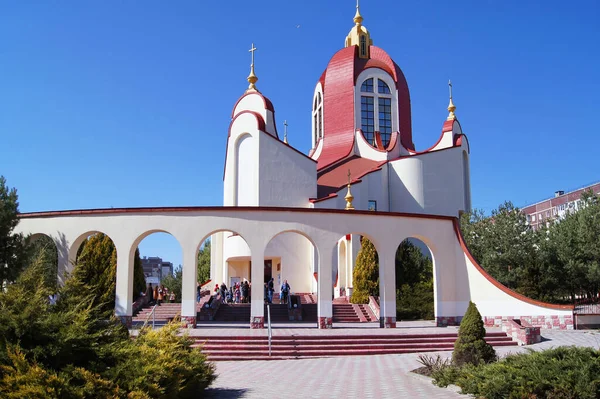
[451, 106]
[359, 35]
[252, 78]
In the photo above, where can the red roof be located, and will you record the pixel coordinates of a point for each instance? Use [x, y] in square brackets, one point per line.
[338, 82]
[331, 180]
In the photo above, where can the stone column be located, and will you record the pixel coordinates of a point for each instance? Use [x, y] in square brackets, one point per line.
[124, 290]
[188, 284]
[327, 256]
[387, 286]
[257, 306]
[64, 266]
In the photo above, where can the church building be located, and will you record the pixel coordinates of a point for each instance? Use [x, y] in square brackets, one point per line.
[362, 157]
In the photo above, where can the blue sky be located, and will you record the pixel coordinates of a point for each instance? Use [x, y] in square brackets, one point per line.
[117, 104]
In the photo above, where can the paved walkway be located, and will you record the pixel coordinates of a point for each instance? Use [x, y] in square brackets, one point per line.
[385, 376]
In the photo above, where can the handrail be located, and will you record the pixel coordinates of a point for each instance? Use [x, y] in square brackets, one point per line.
[153, 314]
[269, 331]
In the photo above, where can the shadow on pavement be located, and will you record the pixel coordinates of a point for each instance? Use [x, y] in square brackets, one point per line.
[225, 393]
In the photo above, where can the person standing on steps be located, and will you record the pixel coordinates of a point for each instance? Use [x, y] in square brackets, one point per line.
[271, 289]
[285, 292]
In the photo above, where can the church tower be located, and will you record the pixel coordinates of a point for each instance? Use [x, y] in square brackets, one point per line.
[361, 104]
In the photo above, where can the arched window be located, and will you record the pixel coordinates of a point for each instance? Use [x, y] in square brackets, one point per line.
[380, 104]
[318, 117]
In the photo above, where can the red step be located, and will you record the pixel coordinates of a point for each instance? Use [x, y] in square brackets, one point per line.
[294, 347]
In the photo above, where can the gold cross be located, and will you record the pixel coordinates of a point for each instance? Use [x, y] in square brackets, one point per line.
[349, 176]
[252, 50]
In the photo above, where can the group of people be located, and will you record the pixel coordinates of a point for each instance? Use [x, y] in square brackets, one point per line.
[284, 293]
[237, 293]
[160, 294]
[241, 292]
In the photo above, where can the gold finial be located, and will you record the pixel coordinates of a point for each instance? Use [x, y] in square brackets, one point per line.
[285, 125]
[451, 106]
[349, 197]
[357, 17]
[252, 79]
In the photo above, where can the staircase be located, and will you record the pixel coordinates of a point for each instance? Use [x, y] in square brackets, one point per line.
[162, 314]
[351, 313]
[310, 346]
[241, 312]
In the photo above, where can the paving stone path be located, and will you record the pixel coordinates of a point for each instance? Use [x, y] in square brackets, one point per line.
[385, 376]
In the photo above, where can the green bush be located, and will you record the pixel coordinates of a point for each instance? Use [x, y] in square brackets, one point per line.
[77, 349]
[470, 347]
[163, 364]
[415, 302]
[366, 273]
[564, 372]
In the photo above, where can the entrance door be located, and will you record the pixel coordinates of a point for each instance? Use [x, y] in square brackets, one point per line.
[268, 270]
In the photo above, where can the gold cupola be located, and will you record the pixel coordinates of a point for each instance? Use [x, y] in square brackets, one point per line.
[359, 36]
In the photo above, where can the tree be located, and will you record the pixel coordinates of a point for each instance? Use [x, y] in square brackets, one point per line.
[174, 282]
[139, 279]
[204, 262]
[503, 244]
[366, 273]
[414, 283]
[43, 249]
[97, 267]
[470, 347]
[12, 246]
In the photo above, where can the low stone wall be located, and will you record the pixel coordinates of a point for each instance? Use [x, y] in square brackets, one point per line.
[374, 306]
[553, 322]
[521, 331]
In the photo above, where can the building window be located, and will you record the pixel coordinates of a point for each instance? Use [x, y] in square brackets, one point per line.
[380, 105]
[528, 218]
[367, 86]
[382, 87]
[372, 205]
[318, 117]
[367, 118]
[533, 218]
[363, 46]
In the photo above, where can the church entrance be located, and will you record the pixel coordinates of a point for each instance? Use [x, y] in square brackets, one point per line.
[268, 270]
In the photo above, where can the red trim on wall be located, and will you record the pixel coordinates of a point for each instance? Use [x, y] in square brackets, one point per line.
[348, 237]
[267, 102]
[260, 125]
[496, 283]
[290, 147]
[113, 211]
[316, 276]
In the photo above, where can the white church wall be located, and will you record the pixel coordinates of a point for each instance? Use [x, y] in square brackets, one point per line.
[366, 150]
[234, 246]
[286, 177]
[246, 192]
[406, 185]
[444, 185]
[255, 102]
[294, 251]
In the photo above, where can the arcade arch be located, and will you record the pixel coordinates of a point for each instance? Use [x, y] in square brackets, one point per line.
[415, 280]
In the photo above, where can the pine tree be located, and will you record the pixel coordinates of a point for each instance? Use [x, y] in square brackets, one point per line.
[204, 262]
[471, 347]
[366, 273]
[12, 246]
[139, 280]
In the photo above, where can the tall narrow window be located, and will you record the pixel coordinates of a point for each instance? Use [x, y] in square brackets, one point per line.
[379, 104]
[363, 46]
[367, 118]
[317, 118]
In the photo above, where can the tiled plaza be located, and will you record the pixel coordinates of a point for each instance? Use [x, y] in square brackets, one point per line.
[385, 376]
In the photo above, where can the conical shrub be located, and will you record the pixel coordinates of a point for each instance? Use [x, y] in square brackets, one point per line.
[470, 347]
[366, 273]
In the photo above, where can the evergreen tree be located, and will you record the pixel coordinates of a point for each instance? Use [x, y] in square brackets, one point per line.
[470, 347]
[366, 273]
[12, 246]
[204, 262]
[43, 249]
[414, 283]
[139, 280]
